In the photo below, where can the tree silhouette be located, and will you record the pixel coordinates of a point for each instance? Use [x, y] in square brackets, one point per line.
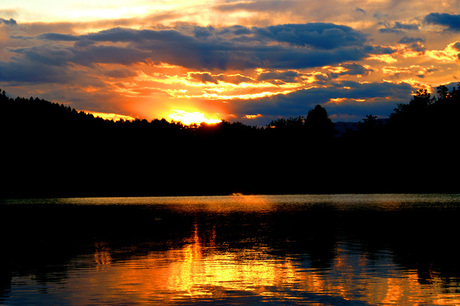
[319, 125]
[82, 155]
[290, 123]
[427, 117]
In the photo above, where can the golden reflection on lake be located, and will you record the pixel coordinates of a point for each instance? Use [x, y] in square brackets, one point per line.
[200, 272]
[237, 249]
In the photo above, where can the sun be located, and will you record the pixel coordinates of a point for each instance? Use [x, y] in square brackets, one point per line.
[189, 118]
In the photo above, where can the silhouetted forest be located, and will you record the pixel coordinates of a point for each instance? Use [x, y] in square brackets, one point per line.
[53, 150]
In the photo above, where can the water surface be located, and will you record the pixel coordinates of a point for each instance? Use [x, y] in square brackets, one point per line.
[292, 249]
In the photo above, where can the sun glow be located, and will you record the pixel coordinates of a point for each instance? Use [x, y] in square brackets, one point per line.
[111, 116]
[189, 118]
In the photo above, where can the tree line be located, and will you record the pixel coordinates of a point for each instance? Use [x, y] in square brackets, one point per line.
[54, 150]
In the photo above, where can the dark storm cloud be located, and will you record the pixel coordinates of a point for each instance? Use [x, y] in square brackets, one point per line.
[452, 22]
[291, 46]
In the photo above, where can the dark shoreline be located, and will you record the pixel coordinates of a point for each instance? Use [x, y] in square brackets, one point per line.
[60, 196]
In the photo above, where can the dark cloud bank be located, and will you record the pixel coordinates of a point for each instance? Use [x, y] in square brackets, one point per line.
[291, 46]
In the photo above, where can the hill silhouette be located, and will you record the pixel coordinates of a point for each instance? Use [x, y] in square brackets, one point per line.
[53, 150]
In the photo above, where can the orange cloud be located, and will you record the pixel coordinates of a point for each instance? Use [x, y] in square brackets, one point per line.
[386, 58]
[450, 54]
[342, 100]
[253, 116]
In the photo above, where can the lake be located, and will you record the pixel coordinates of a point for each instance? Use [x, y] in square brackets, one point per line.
[399, 249]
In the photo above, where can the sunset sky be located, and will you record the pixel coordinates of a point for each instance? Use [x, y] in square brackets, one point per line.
[249, 61]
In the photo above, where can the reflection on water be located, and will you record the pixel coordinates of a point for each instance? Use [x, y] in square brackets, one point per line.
[320, 250]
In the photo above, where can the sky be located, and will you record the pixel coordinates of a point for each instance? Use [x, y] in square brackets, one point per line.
[251, 61]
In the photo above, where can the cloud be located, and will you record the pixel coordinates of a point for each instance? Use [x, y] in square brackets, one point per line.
[283, 76]
[411, 40]
[55, 37]
[412, 44]
[204, 77]
[25, 71]
[10, 22]
[451, 22]
[262, 6]
[348, 69]
[38, 64]
[359, 100]
[119, 73]
[450, 54]
[9, 12]
[291, 46]
[207, 77]
[108, 55]
[207, 57]
[398, 27]
[357, 9]
[45, 55]
[316, 35]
